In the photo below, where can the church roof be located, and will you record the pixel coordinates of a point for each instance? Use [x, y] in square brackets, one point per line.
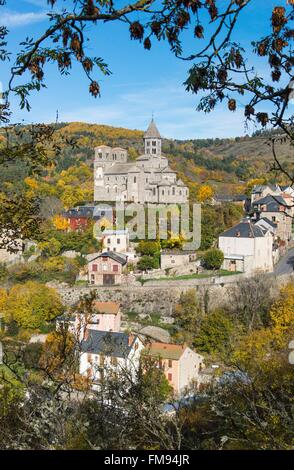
[165, 183]
[152, 131]
[167, 169]
[142, 157]
[120, 168]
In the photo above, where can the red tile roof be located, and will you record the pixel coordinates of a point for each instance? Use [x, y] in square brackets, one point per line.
[106, 307]
[166, 350]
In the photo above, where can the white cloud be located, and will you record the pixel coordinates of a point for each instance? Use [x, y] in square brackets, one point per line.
[14, 19]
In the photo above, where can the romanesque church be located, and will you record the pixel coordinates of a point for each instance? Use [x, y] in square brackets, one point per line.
[148, 179]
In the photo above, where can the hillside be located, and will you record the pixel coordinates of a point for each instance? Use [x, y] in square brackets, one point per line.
[226, 164]
[222, 162]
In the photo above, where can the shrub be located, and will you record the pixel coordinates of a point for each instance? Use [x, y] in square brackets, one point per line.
[213, 259]
[148, 262]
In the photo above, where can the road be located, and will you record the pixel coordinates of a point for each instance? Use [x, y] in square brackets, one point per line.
[286, 264]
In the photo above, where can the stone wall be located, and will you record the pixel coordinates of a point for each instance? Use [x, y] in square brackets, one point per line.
[158, 297]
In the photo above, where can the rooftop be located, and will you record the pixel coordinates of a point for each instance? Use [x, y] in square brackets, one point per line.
[152, 131]
[108, 343]
[119, 257]
[166, 350]
[245, 229]
[111, 308]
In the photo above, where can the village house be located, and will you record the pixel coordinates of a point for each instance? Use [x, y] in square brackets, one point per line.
[275, 209]
[262, 190]
[247, 248]
[181, 365]
[103, 353]
[115, 240]
[106, 269]
[175, 258]
[80, 217]
[105, 316]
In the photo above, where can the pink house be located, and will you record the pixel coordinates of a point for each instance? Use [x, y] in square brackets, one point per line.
[181, 365]
[105, 316]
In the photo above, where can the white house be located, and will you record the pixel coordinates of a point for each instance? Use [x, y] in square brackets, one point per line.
[115, 240]
[247, 248]
[103, 353]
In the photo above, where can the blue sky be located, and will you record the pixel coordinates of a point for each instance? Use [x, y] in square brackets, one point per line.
[142, 81]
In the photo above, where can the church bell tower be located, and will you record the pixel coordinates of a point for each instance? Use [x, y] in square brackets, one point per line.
[152, 140]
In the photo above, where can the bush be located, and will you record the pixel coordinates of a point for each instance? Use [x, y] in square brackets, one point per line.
[148, 262]
[148, 248]
[213, 259]
[214, 333]
[32, 354]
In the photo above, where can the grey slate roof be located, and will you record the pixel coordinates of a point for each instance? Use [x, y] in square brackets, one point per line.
[245, 229]
[269, 222]
[108, 343]
[270, 199]
[81, 211]
[119, 257]
[260, 187]
[152, 131]
[272, 203]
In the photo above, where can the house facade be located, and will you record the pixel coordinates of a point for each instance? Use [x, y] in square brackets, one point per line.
[104, 353]
[247, 248]
[275, 209]
[173, 258]
[79, 217]
[262, 190]
[181, 365]
[106, 269]
[115, 240]
[105, 316]
[148, 179]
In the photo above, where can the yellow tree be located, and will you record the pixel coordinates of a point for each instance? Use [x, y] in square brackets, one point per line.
[32, 304]
[60, 223]
[205, 193]
[282, 312]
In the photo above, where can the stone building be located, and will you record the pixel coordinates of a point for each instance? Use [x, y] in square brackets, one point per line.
[147, 179]
[106, 269]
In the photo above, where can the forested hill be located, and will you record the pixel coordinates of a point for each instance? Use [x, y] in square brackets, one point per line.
[226, 164]
[222, 162]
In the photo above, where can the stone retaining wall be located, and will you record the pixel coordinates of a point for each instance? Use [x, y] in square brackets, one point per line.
[158, 297]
